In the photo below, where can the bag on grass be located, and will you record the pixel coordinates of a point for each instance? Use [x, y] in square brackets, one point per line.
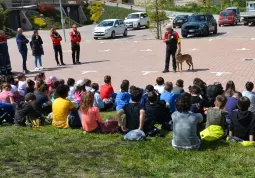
[135, 135]
[109, 126]
[211, 133]
[74, 120]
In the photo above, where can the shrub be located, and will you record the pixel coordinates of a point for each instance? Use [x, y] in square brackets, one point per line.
[96, 11]
[46, 9]
[39, 22]
[41, 15]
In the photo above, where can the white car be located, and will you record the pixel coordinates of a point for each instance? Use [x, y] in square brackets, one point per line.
[110, 28]
[137, 20]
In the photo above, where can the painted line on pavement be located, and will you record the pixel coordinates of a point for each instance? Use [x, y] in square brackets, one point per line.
[88, 71]
[221, 73]
[147, 72]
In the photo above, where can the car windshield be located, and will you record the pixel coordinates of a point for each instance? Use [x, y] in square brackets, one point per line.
[198, 18]
[106, 24]
[233, 10]
[133, 16]
[225, 14]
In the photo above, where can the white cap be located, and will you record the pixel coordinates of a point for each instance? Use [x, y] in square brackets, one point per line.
[168, 26]
[80, 82]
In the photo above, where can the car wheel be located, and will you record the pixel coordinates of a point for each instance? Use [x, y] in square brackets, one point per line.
[206, 33]
[174, 26]
[125, 32]
[215, 31]
[184, 36]
[148, 25]
[95, 38]
[138, 26]
[219, 25]
[113, 35]
[245, 23]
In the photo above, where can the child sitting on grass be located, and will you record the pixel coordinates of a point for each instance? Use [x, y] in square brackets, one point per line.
[6, 95]
[106, 92]
[22, 85]
[87, 84]
[79, 91]
[160, 85]
[90, 115]
[242, 122]
[61, 107]
[123, 97]
[217, 115]
[135, 114]
[25, 110]
[30, 86]
[98, 102]
[70, 84]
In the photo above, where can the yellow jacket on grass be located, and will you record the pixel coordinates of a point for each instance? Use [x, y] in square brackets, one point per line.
[211, 133]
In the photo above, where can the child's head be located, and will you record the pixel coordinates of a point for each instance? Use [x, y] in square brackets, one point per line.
[249, 86]
[136, 95]
[6, 87]
[62, 91]
[10, 79]
[169, 86]
[194, 90]
[21, 77]
[237, 95]
[124, 87]
[126, 82]
[61, 82]
[220, 101]
[87, 101]
[52, 79]
[230, 86]
[41, 76]
[160, 81]
[179, 83]
[80, 86]
[70, 82]
[55, 84]
[41, 86]
[132, 87]
[152, 96]
[30, 83]
[243, 103]
[87, 82]
[149, 88]
[107, 79]
[95, 87]
[30, 98]
[183, 103]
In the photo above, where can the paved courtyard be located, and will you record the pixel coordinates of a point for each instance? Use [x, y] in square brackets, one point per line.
[140, 58]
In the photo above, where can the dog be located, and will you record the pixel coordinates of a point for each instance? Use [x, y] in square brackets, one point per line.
[180, 58]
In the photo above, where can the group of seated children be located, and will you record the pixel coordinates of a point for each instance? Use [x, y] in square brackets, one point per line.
[78, 105]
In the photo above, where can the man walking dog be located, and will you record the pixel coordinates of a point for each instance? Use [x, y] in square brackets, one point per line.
[172, 40]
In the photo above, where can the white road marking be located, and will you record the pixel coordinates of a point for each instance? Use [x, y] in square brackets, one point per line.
[106, 50]
[147, 72]
[252, 38]
[88, 71]
[67, 51]
[194, 49]
[135, 41]
[220, 73]
[146, 50]
[242, 49]
[210, 39]
[101, 42]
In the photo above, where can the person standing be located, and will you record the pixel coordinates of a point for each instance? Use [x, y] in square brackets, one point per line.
[172, 40]
[22, 45]
[75, 37]
[5, 63]
[37, 49]
[56, 39]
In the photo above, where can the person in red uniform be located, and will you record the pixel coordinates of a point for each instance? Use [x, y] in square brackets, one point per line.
[75, 37]
[5, 63]
[172, 40]
[56, 39]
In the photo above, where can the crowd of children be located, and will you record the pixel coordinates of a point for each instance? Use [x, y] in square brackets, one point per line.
[78, 105]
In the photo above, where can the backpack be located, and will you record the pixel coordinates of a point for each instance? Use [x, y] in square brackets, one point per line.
[213, 91]
[5, 117]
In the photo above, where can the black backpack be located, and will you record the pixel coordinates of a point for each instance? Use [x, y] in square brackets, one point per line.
[5, 117]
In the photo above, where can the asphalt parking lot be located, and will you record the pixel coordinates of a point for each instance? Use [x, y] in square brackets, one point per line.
[140, 58]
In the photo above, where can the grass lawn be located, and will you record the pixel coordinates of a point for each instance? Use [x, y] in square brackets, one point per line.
[50, 152]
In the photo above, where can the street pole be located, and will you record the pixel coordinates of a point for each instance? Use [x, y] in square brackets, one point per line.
[62, 19]
[157, 19]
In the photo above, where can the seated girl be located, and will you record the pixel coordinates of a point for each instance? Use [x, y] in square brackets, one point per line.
[80, 90]
[6, 95]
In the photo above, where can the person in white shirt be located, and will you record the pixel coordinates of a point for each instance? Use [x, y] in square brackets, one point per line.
[160, 85]
[22, 85]
[70, 83]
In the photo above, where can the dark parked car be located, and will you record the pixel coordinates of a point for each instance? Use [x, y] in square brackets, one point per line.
[180, 20]
[199, 24]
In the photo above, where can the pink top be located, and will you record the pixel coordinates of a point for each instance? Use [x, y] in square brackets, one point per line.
[77, 96]
[90, 120]
[5, 96]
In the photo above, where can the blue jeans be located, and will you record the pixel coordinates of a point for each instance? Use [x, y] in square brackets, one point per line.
[24, 58]
[38, 58]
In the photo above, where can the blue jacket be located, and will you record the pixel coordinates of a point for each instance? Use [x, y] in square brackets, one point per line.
[122, 99]
[170, 98]
[21, 42]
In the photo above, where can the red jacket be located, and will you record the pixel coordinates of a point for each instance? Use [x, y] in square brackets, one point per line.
[3, 39]
[56, 39]
[75, 37]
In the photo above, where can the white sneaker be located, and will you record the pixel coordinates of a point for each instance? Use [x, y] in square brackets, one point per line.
[36, 68]
[41, 67]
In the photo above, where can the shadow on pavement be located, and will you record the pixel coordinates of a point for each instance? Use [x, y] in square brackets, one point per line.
[211, 35]
[91, 62]
[197, 70]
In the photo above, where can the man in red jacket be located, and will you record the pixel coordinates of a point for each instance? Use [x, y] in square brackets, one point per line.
[75, 37]
[5, 63]
[56, 39]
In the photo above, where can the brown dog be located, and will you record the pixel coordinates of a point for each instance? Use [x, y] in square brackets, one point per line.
[180, 58]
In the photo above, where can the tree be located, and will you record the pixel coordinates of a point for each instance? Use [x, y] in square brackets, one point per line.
[3, 15]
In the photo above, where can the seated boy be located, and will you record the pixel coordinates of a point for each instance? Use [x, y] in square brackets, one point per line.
[249, 94]
[106, 92]
[179, 86]
[122, 97]
[156, 112]
[217, 115]
[231, 105]
[61, 107]
[242, 122]
[135, 114]
[26, 109]
[159, 87]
